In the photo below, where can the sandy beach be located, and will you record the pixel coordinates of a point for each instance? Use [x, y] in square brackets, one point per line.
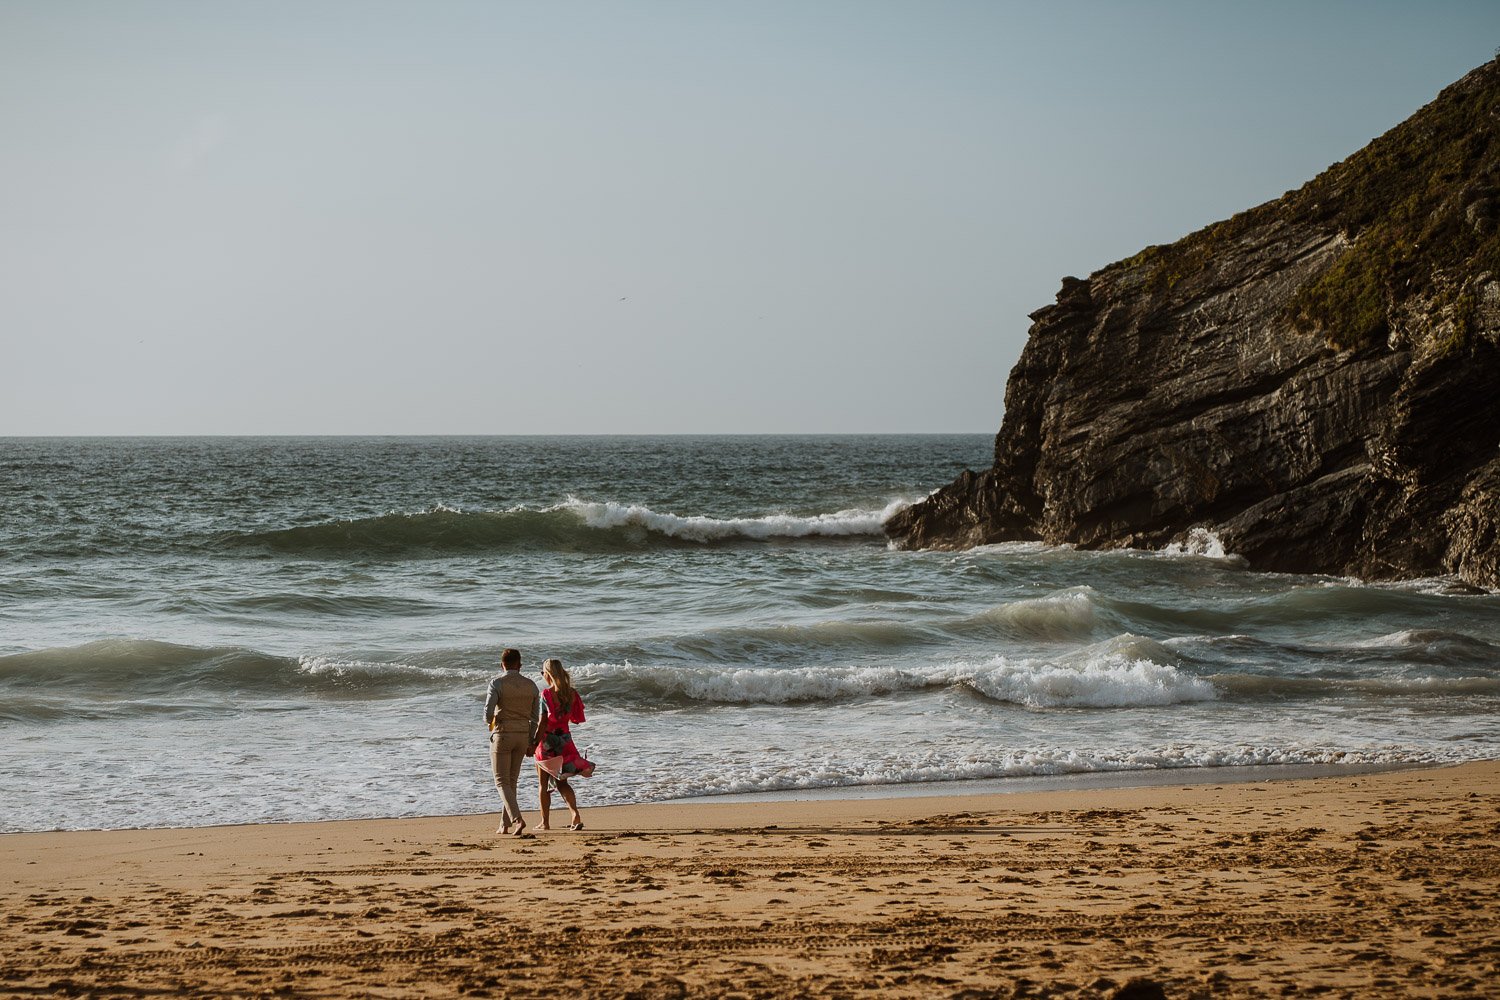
[1375, 885]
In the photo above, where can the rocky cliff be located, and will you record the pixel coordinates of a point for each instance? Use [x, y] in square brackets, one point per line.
[1316, 380]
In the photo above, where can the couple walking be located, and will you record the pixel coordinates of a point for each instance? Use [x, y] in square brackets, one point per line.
[519, 728]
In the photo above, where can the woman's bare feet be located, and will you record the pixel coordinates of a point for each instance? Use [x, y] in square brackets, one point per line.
[577, 823]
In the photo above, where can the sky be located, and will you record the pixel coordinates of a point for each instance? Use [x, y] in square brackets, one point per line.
[441, 217]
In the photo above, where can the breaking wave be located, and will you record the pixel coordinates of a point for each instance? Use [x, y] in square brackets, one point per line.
[1124, 671]
[1067, 614]
[1402, 651]
[142, 675]
[574, 525]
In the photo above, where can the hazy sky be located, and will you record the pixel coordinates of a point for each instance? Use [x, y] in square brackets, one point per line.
[567, 217]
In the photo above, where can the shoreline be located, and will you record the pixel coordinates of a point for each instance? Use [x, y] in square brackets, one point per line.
[957, 788]
[1381, 884]
[1078, 781]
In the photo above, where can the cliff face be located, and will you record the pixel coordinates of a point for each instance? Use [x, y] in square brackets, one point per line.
[1316, 380]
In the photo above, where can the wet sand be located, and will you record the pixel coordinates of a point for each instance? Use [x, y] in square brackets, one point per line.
[1373, 885]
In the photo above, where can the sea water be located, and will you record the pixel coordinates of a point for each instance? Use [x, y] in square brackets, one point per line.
[216, 630]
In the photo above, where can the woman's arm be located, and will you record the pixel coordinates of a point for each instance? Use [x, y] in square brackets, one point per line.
[538, 719]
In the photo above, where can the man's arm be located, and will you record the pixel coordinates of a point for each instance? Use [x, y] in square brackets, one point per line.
[491, 703]
[536, 715]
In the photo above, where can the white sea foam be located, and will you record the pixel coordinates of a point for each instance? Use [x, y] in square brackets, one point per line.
[1015, 548]
[701, 528]
[754, 686]
[365, 671]
[946, 763]
[1202, 543]
[1127, 670]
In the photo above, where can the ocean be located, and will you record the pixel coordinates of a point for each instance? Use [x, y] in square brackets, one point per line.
[199, 631]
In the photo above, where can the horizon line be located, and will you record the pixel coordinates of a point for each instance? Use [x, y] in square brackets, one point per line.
[490, 434]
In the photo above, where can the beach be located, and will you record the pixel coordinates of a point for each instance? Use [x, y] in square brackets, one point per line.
[1369, 885]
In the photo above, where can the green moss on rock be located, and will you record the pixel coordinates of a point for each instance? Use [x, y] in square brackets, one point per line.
[1403, 201]
[1417, 204]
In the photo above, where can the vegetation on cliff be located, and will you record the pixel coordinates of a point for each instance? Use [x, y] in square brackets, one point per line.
[1419, 207]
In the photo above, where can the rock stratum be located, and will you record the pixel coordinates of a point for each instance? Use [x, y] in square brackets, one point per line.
[1316, 380]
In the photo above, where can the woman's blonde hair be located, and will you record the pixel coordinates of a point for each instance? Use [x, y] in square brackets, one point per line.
[557, 676]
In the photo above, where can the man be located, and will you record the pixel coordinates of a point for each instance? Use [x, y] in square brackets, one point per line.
[512, 712]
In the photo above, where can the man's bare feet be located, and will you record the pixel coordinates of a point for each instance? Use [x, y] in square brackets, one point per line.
[503, 828]
[520, 829]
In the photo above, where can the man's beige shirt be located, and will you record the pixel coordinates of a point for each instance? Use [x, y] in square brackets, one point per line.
[514, 704]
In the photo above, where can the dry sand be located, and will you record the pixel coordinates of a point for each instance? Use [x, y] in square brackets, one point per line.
[1381, 885]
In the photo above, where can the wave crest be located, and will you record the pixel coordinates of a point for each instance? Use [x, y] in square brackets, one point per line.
[1264, 686]
[700, 528]
[1125, 671]
[1066, 614]
[1121, 672]
[154, 672]
[574, 525]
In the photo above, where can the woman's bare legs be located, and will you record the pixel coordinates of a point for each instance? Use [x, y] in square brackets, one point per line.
[572, 801]
[544, 795]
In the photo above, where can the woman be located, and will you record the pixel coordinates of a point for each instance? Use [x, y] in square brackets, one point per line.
[557, 759]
